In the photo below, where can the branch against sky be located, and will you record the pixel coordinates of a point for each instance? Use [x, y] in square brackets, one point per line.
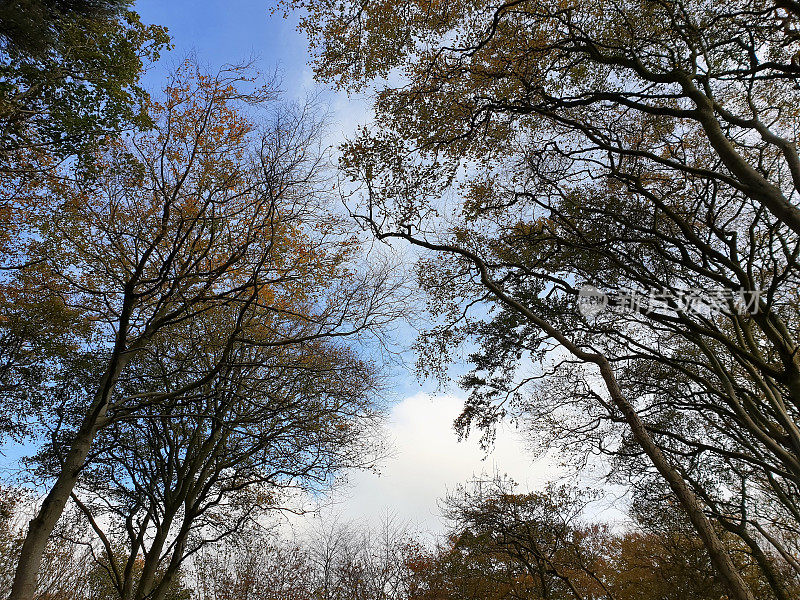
[645, 146]
[186, 245]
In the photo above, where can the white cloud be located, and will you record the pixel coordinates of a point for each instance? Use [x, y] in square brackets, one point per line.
[428, 461]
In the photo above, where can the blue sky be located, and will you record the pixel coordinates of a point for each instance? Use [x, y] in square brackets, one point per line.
[227, 32]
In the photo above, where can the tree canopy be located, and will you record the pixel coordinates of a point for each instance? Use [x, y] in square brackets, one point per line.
[603, 202]
[644, 148]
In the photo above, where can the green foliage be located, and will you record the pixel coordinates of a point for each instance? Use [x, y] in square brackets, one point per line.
[33, 26]
[62, 101]
[69, 79]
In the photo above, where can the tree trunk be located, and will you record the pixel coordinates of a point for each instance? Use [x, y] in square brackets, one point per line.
[41, 526]
[688, 500]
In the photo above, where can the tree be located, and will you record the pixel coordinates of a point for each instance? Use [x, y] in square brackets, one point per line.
[66, 565]
[71, 74]
[101, 585]
[32, 26]
[662, 554]
[203, 467]
[360, 563]
[255, 564]
[197, 228]
[9, 539]
[646, 146]
[539, 545]
[526, 545]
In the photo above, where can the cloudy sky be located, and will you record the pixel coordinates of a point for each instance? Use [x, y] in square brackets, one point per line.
[427, 462]
[427, 459]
